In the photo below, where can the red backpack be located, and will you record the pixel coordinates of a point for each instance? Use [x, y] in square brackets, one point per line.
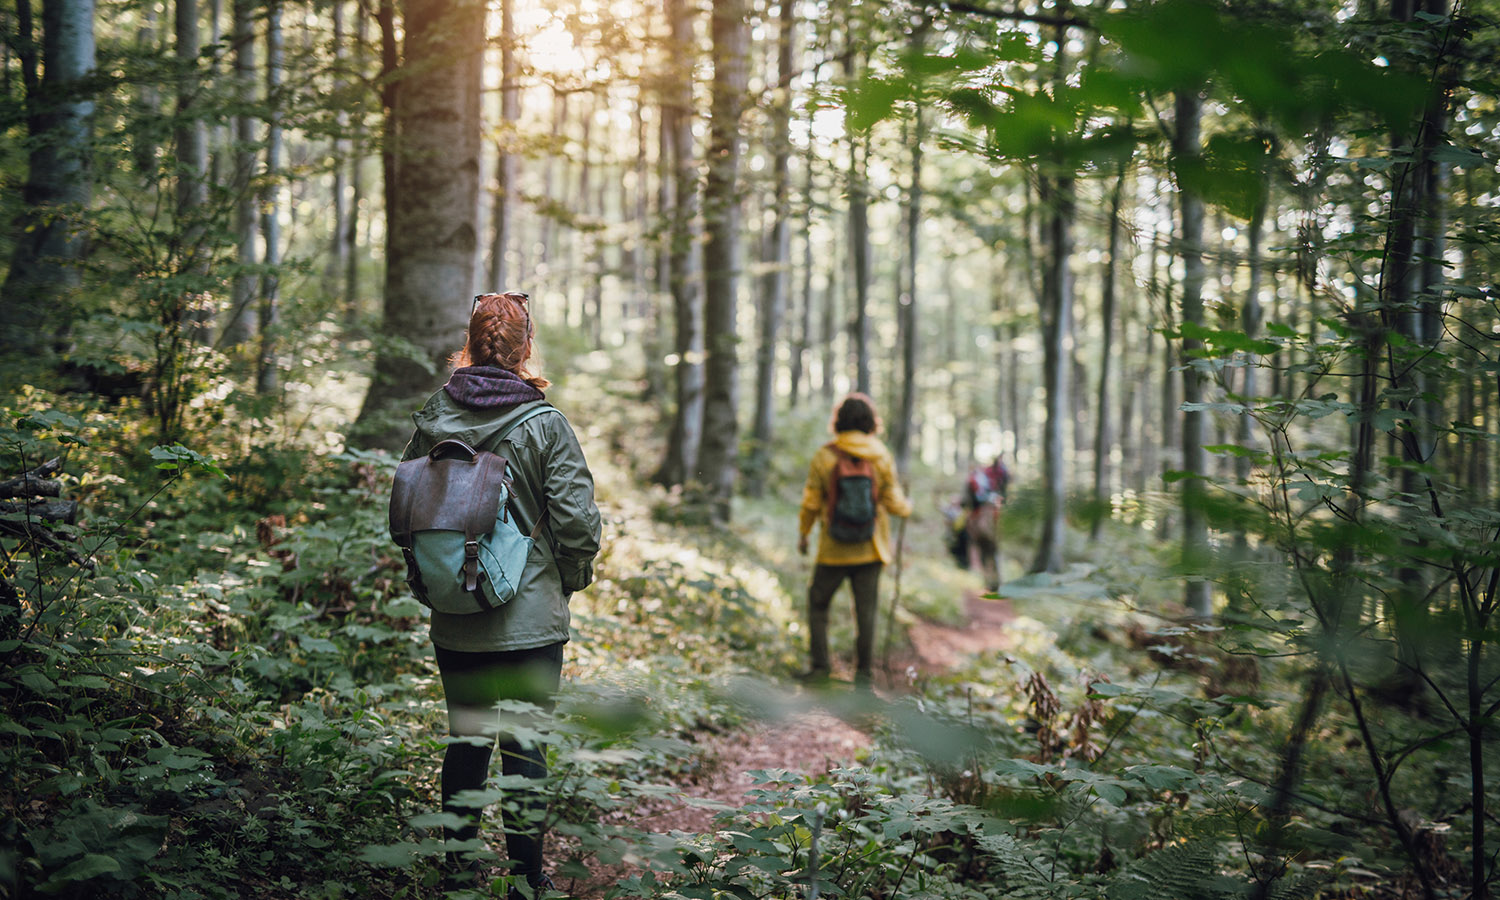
[852, 498]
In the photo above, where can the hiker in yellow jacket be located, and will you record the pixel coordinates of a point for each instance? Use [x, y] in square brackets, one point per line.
[852, 490]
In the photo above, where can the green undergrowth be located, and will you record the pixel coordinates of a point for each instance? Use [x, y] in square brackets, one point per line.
[216, 685]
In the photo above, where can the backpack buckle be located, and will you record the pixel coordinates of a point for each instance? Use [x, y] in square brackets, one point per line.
[471, 566]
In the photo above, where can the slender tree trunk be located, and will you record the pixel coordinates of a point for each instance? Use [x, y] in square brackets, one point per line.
[432, 210]
[270, 221]
[1185, 147]
[356, 181]
[1103, 427]
[804, 328]
[906, 414]
[340, 246]
[49, 246]
[721, 263]
[859, 241]
[777, 256]
[240, 324]
[1251, 319]
[685, 438]
[505, 164]
[829, 331]
[1056, 194]
[191, 139]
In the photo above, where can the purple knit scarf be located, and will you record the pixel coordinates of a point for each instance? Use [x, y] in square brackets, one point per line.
[488, 387]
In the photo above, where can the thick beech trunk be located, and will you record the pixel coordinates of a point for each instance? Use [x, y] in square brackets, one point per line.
[432, 212]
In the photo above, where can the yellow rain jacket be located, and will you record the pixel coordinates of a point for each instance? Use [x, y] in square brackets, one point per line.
[891, 500]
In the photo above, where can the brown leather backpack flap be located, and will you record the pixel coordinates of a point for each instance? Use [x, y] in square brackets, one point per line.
[449, 494]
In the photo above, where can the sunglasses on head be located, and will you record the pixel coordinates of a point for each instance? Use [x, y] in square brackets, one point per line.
[478, 297]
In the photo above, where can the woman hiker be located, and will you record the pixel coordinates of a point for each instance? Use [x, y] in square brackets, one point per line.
[514, 651]
[852, 491]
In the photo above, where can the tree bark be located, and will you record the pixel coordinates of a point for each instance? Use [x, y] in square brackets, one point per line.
[1103, 426]
[45, 267]
[239, 327]
[906, 410]
[777, 257]
[1185, 148]
[266, 374]
[803, 343]
[859, 246]
[506, 171]
[721, 263]
[191, 141]
[683, 262]
[432, 214]
[1057, 195]
[340, 244]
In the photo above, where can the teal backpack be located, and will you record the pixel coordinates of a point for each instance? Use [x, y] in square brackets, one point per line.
[451, 516]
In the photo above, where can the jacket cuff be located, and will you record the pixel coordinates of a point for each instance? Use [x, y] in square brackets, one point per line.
[576, 575]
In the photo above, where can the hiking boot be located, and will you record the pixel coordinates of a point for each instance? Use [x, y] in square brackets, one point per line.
[537, 888]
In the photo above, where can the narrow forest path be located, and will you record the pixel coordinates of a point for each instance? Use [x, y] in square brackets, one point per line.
[813, 741]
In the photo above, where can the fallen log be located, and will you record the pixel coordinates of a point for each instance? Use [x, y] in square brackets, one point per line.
[57, 511]
[36, 482]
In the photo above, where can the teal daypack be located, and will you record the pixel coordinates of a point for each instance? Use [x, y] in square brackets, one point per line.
[451, 516]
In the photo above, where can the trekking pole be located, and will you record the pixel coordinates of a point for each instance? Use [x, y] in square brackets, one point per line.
[890, 619]
[1000, 546]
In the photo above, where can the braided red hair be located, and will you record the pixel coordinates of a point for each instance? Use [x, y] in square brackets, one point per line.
[501, 335]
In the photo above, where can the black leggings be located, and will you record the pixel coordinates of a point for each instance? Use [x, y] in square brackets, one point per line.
[472, 684]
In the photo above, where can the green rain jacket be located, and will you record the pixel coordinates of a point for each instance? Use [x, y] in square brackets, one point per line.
[548, 468]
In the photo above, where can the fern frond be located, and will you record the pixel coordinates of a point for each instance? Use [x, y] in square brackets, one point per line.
[1304, 887]
[1179, 872]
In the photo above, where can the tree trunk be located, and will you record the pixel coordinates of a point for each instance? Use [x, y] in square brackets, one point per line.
[147, 105]
[432, 213]
[239, 327]
[506, 172]
[804, 328]
[686, 435]
[777, 258]
[859, 257]
[1057, 196]
[1185, 148]
[356, 182]
[1103, 427]
[49, 245]
[1251, 318]
[721, 213]
[339, 245]
[191, 140]
[266, 376]
[906, 328]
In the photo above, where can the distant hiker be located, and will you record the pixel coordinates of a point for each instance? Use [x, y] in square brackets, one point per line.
[984, 495]
[956, 519]
[852, 490]
[513, 651]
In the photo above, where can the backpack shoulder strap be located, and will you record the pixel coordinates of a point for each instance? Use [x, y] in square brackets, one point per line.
[540, 408]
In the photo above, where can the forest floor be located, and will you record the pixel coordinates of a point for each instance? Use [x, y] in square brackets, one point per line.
[811, 741]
